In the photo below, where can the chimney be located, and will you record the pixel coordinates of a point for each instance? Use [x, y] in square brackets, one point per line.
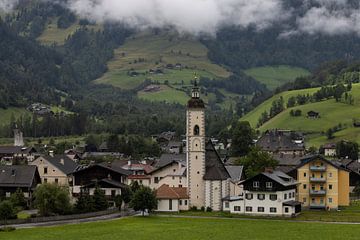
[269, 170]
[62, 161]
[129, 163]
[51, 153]
[13, 172]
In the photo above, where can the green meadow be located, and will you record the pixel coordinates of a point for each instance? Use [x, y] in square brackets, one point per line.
[275, 76]
[138, 228]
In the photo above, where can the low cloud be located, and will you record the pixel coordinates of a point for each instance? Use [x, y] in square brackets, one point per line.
[7, 5]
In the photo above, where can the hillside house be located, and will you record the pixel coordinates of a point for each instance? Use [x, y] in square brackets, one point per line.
[329, 149]
[313, 115]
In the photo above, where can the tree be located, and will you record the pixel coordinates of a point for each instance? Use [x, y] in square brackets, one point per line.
[100, 201]
[18, 199]
[85, 203]
[7, 211]
[134, 186]
[242, 138]
[52, 199]
[330, 133]
[345, 149]
[144, 199]
[113, 143]
[256, 161]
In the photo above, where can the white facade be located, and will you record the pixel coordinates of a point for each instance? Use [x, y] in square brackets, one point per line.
[330, 152]
[172, 205]
[262, 203]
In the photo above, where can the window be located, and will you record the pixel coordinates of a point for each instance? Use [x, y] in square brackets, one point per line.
[268, 184]
[330, 186]
[156, 180]
[304, 174]
[113, 193]
[260, 209]
[185, 202]
[286, 209]
[249, 196]
[256, 184]
[248, 209]
[285, 196]
[170, 204]
[140, 181]
[304, 186]
[330, 175]
[304, 200]
[237, 209]
[180, 185]
[45, 180]
[45, 170]
[56, 180]
[180, 202]
[227, 205]
[273, 197]
[196, 130]
[330, 200]
[261, 196]
[273, 209]
[173, 178]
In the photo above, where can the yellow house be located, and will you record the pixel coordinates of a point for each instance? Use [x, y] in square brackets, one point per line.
[322, 184]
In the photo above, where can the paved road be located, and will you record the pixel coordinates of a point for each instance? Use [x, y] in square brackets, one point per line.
[65, 222]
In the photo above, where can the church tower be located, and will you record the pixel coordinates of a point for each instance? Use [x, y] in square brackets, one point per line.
[195, 148]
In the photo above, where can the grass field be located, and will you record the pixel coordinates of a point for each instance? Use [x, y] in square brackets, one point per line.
[275, 76]
[156, 51]
[5, 114]
[138, 228]
[166, 94]
[332, 113]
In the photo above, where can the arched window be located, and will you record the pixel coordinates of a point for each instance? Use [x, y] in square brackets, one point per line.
[196, 130]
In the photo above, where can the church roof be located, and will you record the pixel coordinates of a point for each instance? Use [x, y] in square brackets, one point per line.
[214, 167]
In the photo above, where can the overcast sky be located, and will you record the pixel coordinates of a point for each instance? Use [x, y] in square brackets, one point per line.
[207, 16]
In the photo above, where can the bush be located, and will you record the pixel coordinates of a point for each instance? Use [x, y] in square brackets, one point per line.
[7, 229]
[193, 208]
[18, 199]
[202, 209]
[7, 211]
[209, 209]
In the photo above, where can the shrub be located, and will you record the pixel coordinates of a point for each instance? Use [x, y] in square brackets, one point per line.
[209, 209]
[193, 208]
[202, 209]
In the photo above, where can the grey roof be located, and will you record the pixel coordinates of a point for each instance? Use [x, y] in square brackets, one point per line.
[291, 203]
[63, 163]
[335, 164]
[280, 177]
[101, 154]
[290, 159]
[214, 167]
[235, 172]
[107, 181]
[15, 150]
[17, 176]
[114, 167]
[167, 158]
[274, 141]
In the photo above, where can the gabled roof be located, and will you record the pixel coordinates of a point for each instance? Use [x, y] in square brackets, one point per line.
[277, 176]
[17, 176]
[317, 157]
[235, 172]
[16, 150]
[106, 182]
[166, 192]
[167, 158]
[63, 163]
[274, 141]
[290, 159]
[214, 167]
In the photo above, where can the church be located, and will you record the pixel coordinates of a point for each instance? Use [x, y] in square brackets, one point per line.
[209, 181]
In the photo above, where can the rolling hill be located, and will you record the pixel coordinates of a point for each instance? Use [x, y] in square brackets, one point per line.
[332, 113]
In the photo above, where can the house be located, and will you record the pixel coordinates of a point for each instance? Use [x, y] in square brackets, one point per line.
[170, 169]
[236, 176]
[281, 142]
[354, 171]
[313, 114]
[103, 147]
[271, 193]
[22, 177]
[9, 154]
[323, 184]
[140, 172]
[172, 199]
[55, 169]
[329, 149]
[174, 147]
[110, 178]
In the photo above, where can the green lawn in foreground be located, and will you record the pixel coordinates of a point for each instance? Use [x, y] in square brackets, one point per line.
[159, 228]
[275, 76]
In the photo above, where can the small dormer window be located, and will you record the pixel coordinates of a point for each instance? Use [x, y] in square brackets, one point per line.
[256, 184]
[269, 184]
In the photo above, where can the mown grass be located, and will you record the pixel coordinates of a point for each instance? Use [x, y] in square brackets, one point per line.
[138, 228]
[6, 114]
[166, 94]
[275, 76]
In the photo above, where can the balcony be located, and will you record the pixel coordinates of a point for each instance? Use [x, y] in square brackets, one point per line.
[318, 168]
[317, 192]
[317, 205]
[317, 180]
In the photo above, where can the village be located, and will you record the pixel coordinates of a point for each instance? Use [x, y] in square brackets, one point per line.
[192, 174]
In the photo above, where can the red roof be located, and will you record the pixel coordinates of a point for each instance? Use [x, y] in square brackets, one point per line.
[166, 192]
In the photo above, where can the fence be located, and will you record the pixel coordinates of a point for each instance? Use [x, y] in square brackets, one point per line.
[65, 217]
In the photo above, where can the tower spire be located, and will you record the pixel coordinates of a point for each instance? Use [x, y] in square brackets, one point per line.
[195, 90]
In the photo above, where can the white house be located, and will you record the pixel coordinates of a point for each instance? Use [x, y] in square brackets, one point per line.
[172, 199]
[269, 193]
